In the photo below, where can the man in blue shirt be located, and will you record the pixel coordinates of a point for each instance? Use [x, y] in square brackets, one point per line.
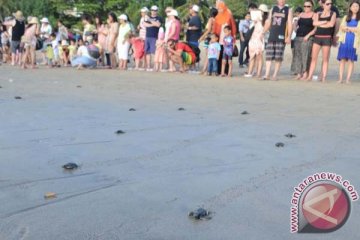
[244, 30]
[152, 25]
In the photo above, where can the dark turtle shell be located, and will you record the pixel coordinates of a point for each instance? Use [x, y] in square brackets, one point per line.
[132, 109]
[181, 109]
[290, 135]
[199, 213]
[245, 113]
[70, 166]
[120, 132]
[279, 144]
[18, 97]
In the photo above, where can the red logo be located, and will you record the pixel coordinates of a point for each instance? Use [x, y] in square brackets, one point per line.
[325, 208]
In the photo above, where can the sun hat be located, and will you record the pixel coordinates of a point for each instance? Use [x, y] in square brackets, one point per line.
[123, 17]
[264, 8]
[18, 15]
[44, 20]
[144, 9]
[154, 8]
[195, 8]
[34, 20]
[173, 12]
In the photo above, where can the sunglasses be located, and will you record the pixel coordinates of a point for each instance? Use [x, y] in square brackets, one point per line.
[307, 6]
[328, 4]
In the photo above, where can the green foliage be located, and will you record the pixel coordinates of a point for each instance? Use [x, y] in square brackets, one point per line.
[54, 9]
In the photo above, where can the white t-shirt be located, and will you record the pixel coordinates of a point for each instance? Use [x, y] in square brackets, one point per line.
[45, 31]
[83, 51]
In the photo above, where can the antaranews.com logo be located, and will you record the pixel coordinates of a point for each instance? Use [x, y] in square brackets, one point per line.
[321, 203]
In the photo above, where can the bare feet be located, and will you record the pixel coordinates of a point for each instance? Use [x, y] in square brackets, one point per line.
[348, 82]
[274, 78]
[339, 81]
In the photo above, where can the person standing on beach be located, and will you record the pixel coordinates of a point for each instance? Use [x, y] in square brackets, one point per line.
[325, 26]
[194, 30]
[111, 40]
[152, 25]
[244, 30]
[18, 30]
[349, 41]
[303, 41]
[280, 28]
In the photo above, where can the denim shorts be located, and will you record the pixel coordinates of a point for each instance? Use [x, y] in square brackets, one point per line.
[150, 45]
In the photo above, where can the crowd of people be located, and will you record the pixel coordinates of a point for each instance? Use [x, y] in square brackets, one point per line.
[167, 45]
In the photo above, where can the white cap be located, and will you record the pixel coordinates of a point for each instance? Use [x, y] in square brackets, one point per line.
[195, 8]
[154, 8]
[173, 12]
[45, 20]
[123, 17]
[144, 9]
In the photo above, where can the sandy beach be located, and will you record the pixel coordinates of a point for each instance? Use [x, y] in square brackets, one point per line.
[142, 184]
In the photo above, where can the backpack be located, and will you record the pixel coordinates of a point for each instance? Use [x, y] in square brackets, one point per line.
[196, 50]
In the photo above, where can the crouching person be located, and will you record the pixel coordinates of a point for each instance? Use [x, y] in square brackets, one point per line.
[180, 53]
[87, 55]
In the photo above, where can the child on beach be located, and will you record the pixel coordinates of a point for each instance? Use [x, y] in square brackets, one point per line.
[5, 43]
[72, 49]
[349, 41]
[214, 49]
[65, 52]
[160, 53]
[55, 48]
[229, 43]
[138, 46]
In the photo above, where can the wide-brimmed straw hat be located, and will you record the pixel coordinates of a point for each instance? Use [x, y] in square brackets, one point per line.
[264, 8]
[34, 20]
[144, 9]
[19, 15]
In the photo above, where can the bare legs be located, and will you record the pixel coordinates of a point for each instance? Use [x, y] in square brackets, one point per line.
[223, 64]
[325, 61]
[276, 71]
[342, 70]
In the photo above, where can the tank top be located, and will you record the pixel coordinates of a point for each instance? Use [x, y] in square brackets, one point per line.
[305, 26]
[279, 18]
[18, 30]
[320, 31]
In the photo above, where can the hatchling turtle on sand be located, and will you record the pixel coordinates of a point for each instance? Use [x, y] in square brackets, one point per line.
[120, 132]
[70, 166]
[245, 113]
[200, 214]
[79, 86]
[132, 109]
[181, 109]
[279, 144]
[18, 97]
[290, 135]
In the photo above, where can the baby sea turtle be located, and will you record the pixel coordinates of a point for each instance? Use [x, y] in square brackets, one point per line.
[132, 109]
[0, 86]
[18, 97]
[290, 135]
[200, 214]
[279, 144]
[120, 132]
[181, 109]
[70, 166]
[79, 86]
[245, 113]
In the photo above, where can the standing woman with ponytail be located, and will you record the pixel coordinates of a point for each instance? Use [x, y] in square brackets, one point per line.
[349, 41]
[325, 26]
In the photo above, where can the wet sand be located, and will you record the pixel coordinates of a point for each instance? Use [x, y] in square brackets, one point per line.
[142, 184]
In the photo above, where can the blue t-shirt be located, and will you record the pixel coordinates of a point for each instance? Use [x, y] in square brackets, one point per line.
[228, 45]
[152, 32]
[214, 50]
